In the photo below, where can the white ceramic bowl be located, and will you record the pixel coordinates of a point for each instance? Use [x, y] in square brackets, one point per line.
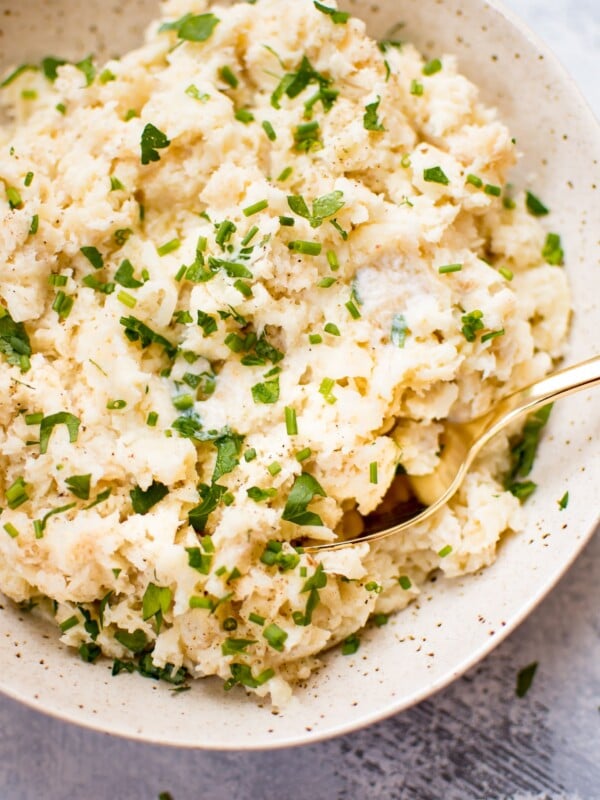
[456, 622]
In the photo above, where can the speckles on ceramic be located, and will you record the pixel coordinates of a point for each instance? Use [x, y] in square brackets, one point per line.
[455, 622]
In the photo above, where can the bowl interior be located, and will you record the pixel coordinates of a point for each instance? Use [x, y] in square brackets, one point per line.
[455, 622]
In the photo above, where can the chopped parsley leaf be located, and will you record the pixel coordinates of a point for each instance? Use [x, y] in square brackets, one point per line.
[525, 679]
[535, 205]
[94, 256]
[267, 392]
[370, 119]
[229, 448]
[79, 485]
[143, 500]
[124, 276]
[472, 324]
[151, 142]
[304, 490]
[350, 645]
[337, 17]
[14, 341]
[48, 424]
[192, 28]
[435, 175]
[564, 501]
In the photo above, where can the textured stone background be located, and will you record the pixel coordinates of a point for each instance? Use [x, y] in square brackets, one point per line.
[473, 741]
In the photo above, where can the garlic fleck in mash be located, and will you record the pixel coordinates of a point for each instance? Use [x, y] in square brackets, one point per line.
[246, 273]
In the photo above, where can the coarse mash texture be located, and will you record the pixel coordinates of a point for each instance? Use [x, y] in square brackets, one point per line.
[272, 386]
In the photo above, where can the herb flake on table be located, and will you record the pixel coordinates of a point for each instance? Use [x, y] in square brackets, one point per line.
[525, 679]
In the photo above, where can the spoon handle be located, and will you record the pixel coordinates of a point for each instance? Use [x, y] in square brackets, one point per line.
[530, 399]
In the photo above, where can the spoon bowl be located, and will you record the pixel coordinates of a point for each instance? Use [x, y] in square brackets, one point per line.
[462, 443]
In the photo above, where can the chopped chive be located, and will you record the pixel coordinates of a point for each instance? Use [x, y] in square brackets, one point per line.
[325, 389]
[474, 181]
[11, 530]
[35, 223]
[184, 402]
[116, 405]
[287, 222]
[373, 477]
[69, 623]
[275, 636]
[249, 455]
[445, 551]
[62, 305]
[353, 310]
[28, 179]
[127, 299]
[168, 247]
[405, 582]
[344, 234]
[115, 184]
[193, 91]
[152, 419]
[306, 248]
[34, 419]
[14, 198]
[433, 66]
[244, 115]
[315, 338]
[228, 76]
[506, 273]
[254, 209]
[303, 454]
[492, 335]
[274, 468]
[405, 162]
[57, 280]
[490, 189]
[269, 130]
[332, 329]
[225, 231]
[332, 260]
[256, 618]
[243, 288]
[61, 108]
[201, 602]
[291, 423]
[450, 268]
[285, 174]
[180, 272]
[416, 88]
[16, 494]
[249, 236]
[326, 283]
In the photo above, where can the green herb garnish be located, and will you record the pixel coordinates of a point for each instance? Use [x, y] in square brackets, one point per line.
[304, 490]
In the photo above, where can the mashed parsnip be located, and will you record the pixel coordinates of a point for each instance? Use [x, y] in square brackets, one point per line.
[246, 272]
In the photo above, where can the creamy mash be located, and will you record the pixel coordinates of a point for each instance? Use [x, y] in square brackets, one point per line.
[246, 273]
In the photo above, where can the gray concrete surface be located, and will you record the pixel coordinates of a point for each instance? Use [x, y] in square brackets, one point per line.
[474, 741]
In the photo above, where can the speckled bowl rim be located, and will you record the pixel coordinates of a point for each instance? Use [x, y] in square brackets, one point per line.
[369, 718]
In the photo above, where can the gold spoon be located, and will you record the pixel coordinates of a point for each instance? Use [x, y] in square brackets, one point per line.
[464, 441]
